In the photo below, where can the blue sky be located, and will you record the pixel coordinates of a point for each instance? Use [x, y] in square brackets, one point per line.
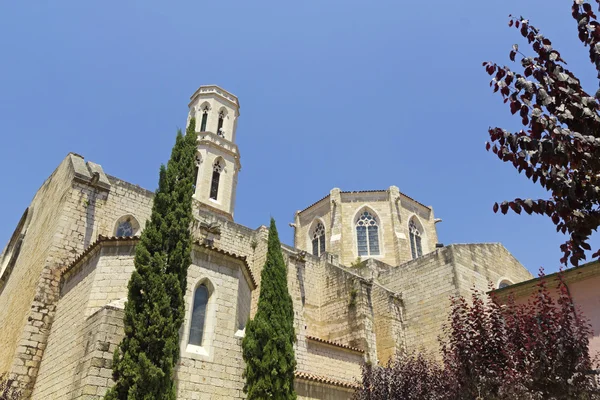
[350, 94]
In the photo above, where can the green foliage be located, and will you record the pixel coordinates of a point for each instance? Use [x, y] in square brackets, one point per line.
[268, 347]
[353, 295]
[356, 263]
[143, 363]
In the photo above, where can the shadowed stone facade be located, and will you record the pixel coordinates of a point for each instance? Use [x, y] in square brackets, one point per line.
[366, 277]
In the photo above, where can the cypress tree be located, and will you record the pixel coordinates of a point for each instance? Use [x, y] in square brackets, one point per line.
[268, 346]
[144, 361]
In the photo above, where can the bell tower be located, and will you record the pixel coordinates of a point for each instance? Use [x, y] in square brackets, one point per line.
[218, 159]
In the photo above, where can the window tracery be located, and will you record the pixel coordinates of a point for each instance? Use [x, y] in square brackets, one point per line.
[367, 234]
[220, 131]
[318, 240]
[416, 248]
[125, 229]
[216, 176]
[204, 119]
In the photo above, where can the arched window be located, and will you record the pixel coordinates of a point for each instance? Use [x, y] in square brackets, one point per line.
[126, 226]
[415, 240]
[197, 168]
[197, 324]
[504, 283]
[220, 126]
[124, 229]
[214, 185]
[318, 240]
[204, 119]
[367, 235]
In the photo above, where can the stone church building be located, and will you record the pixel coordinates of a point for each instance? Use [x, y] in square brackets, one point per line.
[367, 276]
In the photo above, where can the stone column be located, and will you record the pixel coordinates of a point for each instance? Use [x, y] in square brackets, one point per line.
[335, 229]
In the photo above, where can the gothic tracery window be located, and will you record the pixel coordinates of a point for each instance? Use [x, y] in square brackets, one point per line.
[415, 240]
[204, 119]
[367, 235]
[220, 126]
[216, 176]
[318, 240]
[125, 229]
[197, 325]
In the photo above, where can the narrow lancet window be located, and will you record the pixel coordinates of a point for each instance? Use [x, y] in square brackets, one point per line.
[220, 126]
[204, 119]
[415, 240]
[367, 235]
[216, 176]
[198, 315]
[197, 169]
[318, 240]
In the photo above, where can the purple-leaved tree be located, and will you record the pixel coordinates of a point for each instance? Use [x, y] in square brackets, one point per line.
[559, 146]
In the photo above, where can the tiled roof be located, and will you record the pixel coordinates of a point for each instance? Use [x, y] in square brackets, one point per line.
[329, 381]
[103, 239]
[364, 191]
[316, 202]
[93, 246]
[329, 342]
[229, 254]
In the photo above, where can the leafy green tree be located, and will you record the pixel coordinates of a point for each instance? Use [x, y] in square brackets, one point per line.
[268, 347]
[144, 361]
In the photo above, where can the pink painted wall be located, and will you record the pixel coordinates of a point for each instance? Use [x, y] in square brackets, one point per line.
[586, 296]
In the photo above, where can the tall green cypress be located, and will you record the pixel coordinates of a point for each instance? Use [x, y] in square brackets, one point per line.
[144, 361]
[268, 346]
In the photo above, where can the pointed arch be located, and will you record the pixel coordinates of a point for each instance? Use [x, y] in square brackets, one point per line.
[416, 235]
[218, 166]
[366, 223]
[317, 237]
[222, 115]
[198, 318]
[197, 168]
[204, 111]
[201, 318]
[504, 282]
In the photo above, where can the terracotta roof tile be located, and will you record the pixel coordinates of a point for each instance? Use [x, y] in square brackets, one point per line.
[364, 191]
[93, 246]
[331, 343]
[316, 202]
[103, 239]
[324, 379]
[229, 254]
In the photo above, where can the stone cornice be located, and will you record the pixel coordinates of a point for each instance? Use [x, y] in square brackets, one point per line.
[326, 380]
[334, 344]
[73, 267]
[215, 90]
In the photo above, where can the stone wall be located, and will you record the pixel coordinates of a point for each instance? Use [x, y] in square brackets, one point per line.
[427, 283]
[58, 370]
[393, 210]
[27, 295]
[307, 390]
[217, 367]
[77, 203]
[333, 361]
